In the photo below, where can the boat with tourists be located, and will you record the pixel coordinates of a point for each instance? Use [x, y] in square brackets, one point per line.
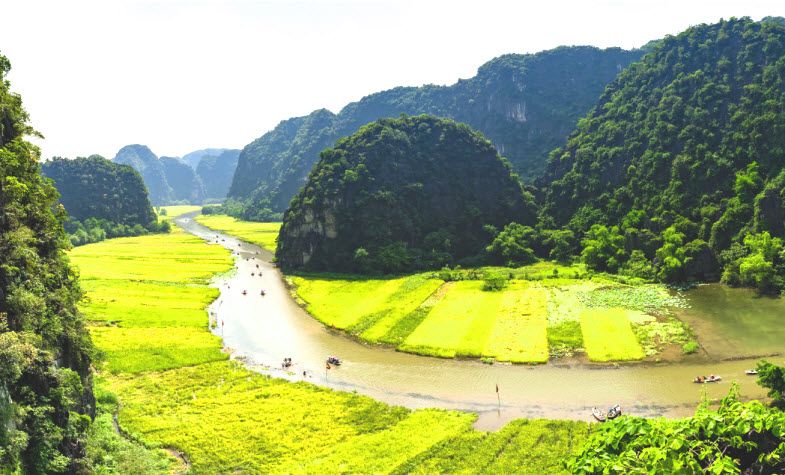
[707, 379]
[333, 360]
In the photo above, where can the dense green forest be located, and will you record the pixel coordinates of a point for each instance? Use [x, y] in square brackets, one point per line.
[525, 104]
[103, 199]
[678, 173]
[401, 194]
[46, 396]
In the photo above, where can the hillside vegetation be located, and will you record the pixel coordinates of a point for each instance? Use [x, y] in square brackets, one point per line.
[103, 199]
[401, 194]
[678, 172]
[525, 104]
[46, 388]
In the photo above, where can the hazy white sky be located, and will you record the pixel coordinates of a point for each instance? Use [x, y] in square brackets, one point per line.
[179, 75]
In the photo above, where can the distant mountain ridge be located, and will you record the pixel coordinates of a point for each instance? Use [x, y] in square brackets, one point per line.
[525, 104]
[171, 180]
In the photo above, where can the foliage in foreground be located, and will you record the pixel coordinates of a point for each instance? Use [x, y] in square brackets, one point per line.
[736, 438]
[46, 395]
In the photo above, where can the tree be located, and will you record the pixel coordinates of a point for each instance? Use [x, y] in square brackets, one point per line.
[512, 246]
[772, 377]
[671, 256]
[603, 248]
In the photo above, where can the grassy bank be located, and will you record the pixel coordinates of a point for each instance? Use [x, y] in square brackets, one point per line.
[173, 388]
[262, 234]
[538, 314]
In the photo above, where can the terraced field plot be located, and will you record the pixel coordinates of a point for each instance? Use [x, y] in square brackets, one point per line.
[262, 234]
[526, 322]
[608, 335]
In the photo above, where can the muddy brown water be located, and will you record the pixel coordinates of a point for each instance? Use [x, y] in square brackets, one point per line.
[263, 330]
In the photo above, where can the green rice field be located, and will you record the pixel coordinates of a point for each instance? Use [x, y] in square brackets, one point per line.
[535, 317]
[173, 390]
[263, 235]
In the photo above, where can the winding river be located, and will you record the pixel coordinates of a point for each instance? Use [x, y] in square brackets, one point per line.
[263, 330]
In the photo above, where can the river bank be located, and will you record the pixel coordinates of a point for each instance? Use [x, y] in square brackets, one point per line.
[263, 330]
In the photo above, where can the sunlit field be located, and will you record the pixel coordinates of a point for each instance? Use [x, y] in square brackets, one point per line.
[608, 335]
[545, 310]
[261, 234]
[166, 377]
[174, 211]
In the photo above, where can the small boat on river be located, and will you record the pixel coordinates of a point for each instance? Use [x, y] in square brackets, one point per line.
[601, 416]
[751, 372]
[705, 379]
[333, 360]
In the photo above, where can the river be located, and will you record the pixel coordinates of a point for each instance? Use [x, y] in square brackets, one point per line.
[263, 330]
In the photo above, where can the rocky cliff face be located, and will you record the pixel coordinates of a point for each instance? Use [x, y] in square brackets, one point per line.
[216, 172]
[186, 185]
[143, 160]
[401, 194]
[526, 104]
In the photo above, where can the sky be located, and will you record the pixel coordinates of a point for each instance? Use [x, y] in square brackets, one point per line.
[181, 75]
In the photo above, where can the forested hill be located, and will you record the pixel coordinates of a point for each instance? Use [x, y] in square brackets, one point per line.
[94, 187]
[525, 104]
[143, 160]
[46, 395]
[401, 194]
[685, 151]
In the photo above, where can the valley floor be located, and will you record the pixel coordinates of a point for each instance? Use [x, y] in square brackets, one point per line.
[545, 311]
[172, 387]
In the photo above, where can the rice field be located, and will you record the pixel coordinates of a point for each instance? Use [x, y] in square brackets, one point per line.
[264, 235]
[171, 387]
[608, 335]
[171, 212]
[529, 321]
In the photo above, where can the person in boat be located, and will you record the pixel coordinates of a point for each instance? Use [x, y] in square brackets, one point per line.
[245, 292]
[263, 293]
